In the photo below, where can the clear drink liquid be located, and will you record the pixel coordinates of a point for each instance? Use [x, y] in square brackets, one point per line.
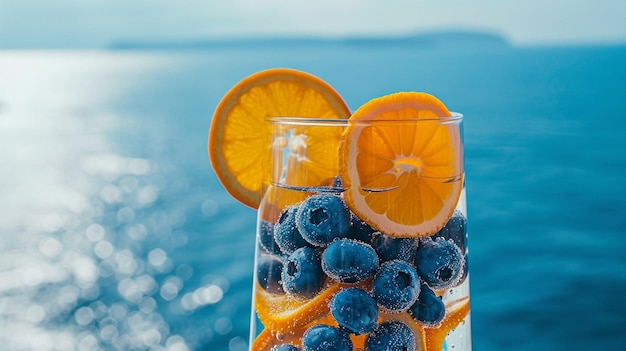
[325, 279]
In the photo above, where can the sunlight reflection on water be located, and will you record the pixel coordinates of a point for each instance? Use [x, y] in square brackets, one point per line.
[85, 254]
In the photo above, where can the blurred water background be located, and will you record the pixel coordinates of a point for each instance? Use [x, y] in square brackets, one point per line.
[116, 235]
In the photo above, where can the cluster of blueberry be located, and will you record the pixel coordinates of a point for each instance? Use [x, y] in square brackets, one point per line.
[321, 239]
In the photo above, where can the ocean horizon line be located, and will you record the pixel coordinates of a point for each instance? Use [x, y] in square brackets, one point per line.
[426, 40]
[431, 40]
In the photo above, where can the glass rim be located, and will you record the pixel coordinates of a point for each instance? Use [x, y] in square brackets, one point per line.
[455, 117]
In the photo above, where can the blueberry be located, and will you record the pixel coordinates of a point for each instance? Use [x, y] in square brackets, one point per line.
[323, 218]
[268, 274]
[355, 310]
[323, 337]
[391, 336]
[439, 263]
[396, 285]
[285, 347]
[455, 230]
[389, 248]
[429, 308]
[349, 261]
[286, 233]
[266, 237]
[302, 273]
[359, 230]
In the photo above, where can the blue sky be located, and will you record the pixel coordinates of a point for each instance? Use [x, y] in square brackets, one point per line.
[97, 23]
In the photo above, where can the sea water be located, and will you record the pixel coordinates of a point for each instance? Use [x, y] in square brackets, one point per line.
[116, 235]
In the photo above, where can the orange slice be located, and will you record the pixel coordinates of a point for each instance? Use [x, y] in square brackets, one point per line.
[401, 161]
[269, 338]
[283, 313]
[456, 311]
[264, 341]
[240, 138]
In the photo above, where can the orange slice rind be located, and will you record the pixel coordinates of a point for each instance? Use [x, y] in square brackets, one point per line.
[240, 138]
[401, 162]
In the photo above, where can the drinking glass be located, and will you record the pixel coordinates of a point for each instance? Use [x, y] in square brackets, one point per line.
[327, 278]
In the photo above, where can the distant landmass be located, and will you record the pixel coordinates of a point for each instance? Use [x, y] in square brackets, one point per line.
[431, 40]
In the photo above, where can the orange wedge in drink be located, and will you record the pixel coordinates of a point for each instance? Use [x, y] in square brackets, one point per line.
[400, 160]
[268, 338]
[456, 312]
[284, 313]
[240, 138]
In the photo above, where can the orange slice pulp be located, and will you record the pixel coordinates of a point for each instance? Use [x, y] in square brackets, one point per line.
[240, 138]
[269, 338]
[401, 161]
[284, 313]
